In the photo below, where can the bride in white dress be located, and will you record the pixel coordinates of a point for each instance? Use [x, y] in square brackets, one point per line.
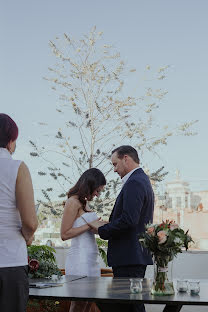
[82, 258]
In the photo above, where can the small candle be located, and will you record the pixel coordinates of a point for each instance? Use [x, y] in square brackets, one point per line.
[194, 287]
[135, 285]
[194, 291]
[182, 285]
[135, 290]
[182, 289]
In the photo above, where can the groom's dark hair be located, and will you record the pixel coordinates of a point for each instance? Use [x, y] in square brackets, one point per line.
[126, 150]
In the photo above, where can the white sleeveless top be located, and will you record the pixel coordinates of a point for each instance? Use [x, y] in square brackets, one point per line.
[82, 258]
[13, 249]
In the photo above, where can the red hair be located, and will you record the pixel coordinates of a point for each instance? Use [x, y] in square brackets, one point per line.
[8, 130]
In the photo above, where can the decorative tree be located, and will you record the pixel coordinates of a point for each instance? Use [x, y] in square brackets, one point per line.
[89, 78]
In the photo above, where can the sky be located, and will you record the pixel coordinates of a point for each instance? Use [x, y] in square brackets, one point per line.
[146, 32]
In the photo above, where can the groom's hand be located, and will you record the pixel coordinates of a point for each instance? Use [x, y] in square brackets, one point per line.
[96, 224]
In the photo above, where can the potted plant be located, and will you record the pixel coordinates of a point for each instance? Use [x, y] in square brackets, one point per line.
[42, 264]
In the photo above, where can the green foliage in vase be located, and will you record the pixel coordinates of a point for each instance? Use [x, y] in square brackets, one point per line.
[42, 262]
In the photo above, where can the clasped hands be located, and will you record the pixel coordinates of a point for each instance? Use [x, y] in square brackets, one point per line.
[94, 225]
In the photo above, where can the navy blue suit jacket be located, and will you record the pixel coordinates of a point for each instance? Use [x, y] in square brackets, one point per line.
[132, 210]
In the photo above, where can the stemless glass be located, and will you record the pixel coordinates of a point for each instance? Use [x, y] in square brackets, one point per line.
[182, 285]
[136, 285]
[194, 287]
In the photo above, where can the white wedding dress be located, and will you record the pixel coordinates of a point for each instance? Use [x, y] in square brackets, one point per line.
[82, 258]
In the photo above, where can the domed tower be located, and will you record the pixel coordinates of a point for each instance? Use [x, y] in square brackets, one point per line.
[178, 197]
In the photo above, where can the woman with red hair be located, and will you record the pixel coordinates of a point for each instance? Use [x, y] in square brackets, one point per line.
[18, 221]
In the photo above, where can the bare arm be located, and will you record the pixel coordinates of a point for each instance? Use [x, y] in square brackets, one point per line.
[25, 203]
[71, 209]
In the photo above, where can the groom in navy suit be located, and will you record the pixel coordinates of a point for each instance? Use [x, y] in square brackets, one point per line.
[132, 210]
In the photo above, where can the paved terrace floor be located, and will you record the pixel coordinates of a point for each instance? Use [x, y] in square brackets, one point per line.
[160, 307]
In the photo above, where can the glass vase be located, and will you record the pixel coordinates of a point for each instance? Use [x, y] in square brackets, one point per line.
[163, 282]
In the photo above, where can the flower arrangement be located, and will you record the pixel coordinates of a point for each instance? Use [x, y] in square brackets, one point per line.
[165, 241]
[42, 262]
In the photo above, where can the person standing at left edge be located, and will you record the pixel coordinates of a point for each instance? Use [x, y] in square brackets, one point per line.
[133, 209]
[18, 221]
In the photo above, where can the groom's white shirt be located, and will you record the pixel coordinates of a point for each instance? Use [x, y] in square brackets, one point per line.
[125, 178]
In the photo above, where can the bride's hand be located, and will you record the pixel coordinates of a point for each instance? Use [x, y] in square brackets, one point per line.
[96, 224]
[93, 231]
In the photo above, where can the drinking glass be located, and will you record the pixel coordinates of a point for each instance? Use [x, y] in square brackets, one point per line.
[194, 287]
[182, 285]
[136, 285]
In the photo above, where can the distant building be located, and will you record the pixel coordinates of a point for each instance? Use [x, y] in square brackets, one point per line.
[187, 208]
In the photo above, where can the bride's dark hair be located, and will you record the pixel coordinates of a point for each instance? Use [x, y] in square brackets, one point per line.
[89, 181]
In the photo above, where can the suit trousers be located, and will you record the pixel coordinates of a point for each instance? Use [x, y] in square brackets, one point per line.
[14, 289]
[125, 271]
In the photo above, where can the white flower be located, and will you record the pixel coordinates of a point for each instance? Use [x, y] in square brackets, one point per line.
[149, 225]
[151, 230]
[177, 240]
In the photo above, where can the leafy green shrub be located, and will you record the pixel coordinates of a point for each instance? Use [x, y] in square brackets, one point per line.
[42, 261]
[102, 246]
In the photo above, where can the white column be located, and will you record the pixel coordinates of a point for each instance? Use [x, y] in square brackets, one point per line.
[189, 201]
[181, 218]
[174, 203]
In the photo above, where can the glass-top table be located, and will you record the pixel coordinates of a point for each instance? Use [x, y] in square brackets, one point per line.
[107, 289]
